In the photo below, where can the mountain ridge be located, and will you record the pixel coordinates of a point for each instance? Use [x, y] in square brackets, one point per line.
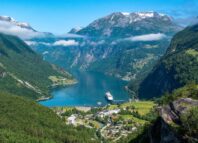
[112, 24]
[24, 72]
[176, 68]
[128, 52]
[9, 25]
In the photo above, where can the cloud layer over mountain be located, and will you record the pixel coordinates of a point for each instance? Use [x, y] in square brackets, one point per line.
[12, 29]
[147, 37]
[63, 43]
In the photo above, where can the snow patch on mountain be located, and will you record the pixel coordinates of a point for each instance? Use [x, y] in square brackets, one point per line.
[119, 20]
[125, 13]
[145, 14]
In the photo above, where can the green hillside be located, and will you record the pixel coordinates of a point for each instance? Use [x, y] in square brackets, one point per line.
[23, 72]
[23, 121]
[178, 67]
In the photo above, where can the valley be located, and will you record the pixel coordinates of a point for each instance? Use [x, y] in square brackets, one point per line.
[119, 45]
[118, 77]
[89, 91]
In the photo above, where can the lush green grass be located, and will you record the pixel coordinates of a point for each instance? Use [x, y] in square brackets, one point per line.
[25, 121]
[61, 81]
[142, 107]
[192, 52]
[133, 119]
[188, 91]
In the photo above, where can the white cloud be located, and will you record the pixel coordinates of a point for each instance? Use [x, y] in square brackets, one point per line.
[147, 37]
[66, 43]
[69, 35]
[24, 33]
[33, 43]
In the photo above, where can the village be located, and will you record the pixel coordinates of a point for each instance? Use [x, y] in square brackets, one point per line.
[111, 122]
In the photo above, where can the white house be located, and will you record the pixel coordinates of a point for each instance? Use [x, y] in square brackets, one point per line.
[71, 119]
[108, 112]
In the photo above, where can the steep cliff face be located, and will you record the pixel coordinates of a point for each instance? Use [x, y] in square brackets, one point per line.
[161, 132]
[178, 67]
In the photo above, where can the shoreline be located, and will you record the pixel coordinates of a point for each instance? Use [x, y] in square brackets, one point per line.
[63, 85]
[44, 98]
[73, 83]
[88, 106]
[53, 87]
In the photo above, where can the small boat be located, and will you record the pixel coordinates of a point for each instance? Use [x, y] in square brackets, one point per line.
[99, 103]
[109, 96]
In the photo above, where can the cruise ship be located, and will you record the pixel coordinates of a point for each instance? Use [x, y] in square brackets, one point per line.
[109, 96]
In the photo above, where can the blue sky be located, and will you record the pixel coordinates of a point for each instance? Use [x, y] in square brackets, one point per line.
[59, 16]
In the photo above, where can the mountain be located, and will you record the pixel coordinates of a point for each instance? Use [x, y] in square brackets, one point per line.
[26, 121]
[75, 30]
[134, 43]
[9, 25]
[122, 24]
[178, 67]
[24, 73]
[14, 22]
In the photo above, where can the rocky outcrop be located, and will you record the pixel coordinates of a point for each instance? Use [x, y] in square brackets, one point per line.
[173, 111]
[162, 131]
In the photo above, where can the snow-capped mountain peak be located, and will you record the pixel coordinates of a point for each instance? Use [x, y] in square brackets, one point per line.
[14, 22]
[145, 14]
[76, 29]
[122, 19]
[125, 23]
[9, 25]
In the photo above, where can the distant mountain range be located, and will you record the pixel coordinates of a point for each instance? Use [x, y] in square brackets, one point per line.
[122, 24]
[125, 45]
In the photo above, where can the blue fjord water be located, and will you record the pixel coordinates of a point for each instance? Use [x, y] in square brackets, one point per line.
[89, 91]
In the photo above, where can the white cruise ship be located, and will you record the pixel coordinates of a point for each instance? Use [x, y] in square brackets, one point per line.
[109, 96]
